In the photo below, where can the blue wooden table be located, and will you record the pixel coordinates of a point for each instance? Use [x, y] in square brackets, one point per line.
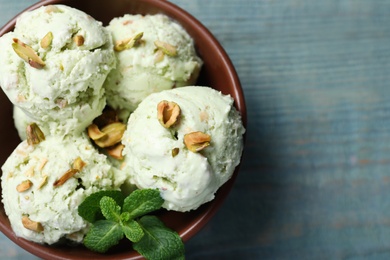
[315, 177]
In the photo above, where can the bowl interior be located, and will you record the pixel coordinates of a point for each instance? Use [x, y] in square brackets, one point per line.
[217, 73]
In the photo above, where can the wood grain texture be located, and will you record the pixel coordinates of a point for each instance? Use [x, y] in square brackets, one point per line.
[314, 183]
[315, 178]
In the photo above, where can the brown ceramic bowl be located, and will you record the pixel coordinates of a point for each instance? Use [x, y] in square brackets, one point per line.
[218, 72]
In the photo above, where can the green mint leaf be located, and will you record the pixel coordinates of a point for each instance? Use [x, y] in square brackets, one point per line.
[141, 202]
[89, 209]
[125, 216]
[103, 235]
[159, 242]
[110, 209]
[132, 230]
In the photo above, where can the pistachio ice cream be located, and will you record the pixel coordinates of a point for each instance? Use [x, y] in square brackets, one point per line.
[153, 53]
[186, 142]
[43, 184]
[54, 64]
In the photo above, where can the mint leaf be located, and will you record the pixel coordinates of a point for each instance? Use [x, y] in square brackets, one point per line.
[141, 202]
[125, 216]
[89, 209]
[110, 209]
[132, 230]
[150, 237]
[159, 242]
[103, 235]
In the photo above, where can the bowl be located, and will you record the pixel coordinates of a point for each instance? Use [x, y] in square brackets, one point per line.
[217, 72]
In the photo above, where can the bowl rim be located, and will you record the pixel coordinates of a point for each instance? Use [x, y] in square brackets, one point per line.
[183, 17]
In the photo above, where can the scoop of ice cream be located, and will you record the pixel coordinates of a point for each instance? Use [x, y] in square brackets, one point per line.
[146, 67]
[77, 54]
[156, 156]
[35, 188]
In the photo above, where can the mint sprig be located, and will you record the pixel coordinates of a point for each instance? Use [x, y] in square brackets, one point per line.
[114, 217]
[89, 209]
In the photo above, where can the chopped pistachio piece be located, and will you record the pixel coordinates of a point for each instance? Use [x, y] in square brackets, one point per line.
[79, 40]
[168, 113]
[43, 182]
[30, 172]
[61, 102]
[128, 43]
[34, 134]
[24, 185]
[94, 132]
[167, 48]
[116, 151]
[175, 151]
[114, 133]
[31, 225]
[66, 176]
[46, 40]
[51, 9]
[27, 54]
[78, 164]
[159, 56]
[196, 141]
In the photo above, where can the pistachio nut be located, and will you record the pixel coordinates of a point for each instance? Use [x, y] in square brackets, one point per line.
[66, 176]
[34, 134]
[79, 40]
[128, 43]
[79, 164]
[51, 9]
[31, 225]
[159, 56]
[196, 141]
[175, 151]
[46, 40]
[24, 185]
[113, 134]
[43, 182]
[168, 113]
[116, 151]
[61, 102]
[166, 48]
[27, 54]
[94, 132]
[30, 172]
